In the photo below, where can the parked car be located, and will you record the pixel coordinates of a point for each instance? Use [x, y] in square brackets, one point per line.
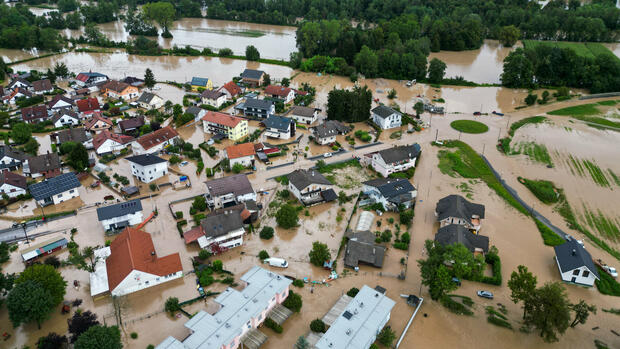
[611, 271]
[276, 262]
[327, 155]
[457, 281]
[184, 163]
[485, 294]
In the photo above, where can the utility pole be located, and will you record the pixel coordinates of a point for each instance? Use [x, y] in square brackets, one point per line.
[25, 232]
[499, 134]
[436, 134]
[483, 146]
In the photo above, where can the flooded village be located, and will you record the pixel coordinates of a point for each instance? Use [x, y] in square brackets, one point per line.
[204, 187]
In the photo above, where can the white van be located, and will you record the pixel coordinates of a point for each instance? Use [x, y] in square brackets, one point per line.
[276, 262]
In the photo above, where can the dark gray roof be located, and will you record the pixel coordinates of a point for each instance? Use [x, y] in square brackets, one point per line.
[303, 178]
[194, 110]
[455, 234]
[329, 195]
[361, 248]
[280, 123]
[45, 162]
[146, 97]
[211, 94]
[458, 206]
[77, 135]
[145, 159]
[131, 123]
[302, 111]
[384, 111]
[63, 112]
[222, 223]
[392, 188]
[7, 150]
[237, 184]
[330, 128]
[256, 103]
[400, 153]
[572, 255]
[252, 74]
[119, 210]
[53, 186]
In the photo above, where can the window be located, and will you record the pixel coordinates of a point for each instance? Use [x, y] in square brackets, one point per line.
[71, 191]
[585, 274]
[576, 272]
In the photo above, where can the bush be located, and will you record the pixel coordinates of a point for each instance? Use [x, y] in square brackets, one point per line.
[544, 190]
[262, 255]
[217, 265]
[178, 214]
[317, 325]
[386, 336]
[153, 186]
[607, 284]
[133, 335]
[352, 292]
[204, 254]
[293, 302]
[286, 217]
[386, 236]
[496, 264]
[298, 283]
[401, 246]
[406, 238]
[531, 99]
[269, 323]
[172, 305]
[319, 254]
[406, 217]
[454, 306]
[266, 233]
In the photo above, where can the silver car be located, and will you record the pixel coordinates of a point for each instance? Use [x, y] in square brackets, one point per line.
[485, 294]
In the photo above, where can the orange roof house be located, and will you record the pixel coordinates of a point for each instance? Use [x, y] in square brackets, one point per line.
[98, 123]
[222, 119]
[155, 141]
[120, 90]
[231, 89]
[240, 150]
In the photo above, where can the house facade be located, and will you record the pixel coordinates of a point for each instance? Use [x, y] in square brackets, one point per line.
[150, 101]
[252, 77]
[286, 94]
[392, 193]
[121, 215]
[35, 114]
[60, 102]
[303, 115]
[222, 231]
[391, 160]
[88, 106]
[155, 141]
[234, 128]
[47, 165]
[279, 127]
[386, 117]
[44, 86]
[231, 90]
[148, 167]
[213, 98]
[89, 78]
[55, 190]
[455, 209]
[12, 184]
[310, 186]
[326, 132]
[107, 142]
[10, 158]
[197, 112]
[119, 90]
[65, 117]
[241, 154]
[229, 191]
[575, 264]
[259, 108]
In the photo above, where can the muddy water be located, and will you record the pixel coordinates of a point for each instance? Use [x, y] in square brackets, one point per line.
[14, 55]
[272, 41]
[483, 65]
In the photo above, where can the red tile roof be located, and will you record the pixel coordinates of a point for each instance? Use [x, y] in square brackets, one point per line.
[240, 150]
[42, 85]
[100, 138]
[12, 179]
[82, 77]
[88, 104]
[96, 117]
[222, 118]
[193, 234]
[275, 90]
[33, 113]
[154, 138]
[232, 88]
[116, 86]
[132, 250]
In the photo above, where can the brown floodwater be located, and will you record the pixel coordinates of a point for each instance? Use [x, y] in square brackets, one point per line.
[483, 65]
[272, 41]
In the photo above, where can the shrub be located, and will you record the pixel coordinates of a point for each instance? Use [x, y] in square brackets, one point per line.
[263, 255]
[217, 265]
[406, 238]
[317, 325]
[150, 346]
[178, 214]
[269, 323]
[386, 336]
[319, 254]
[352, 292]
[293, 302]
[174, 160]
[401, 246]
[298, 283]
[153, 186]
[286, 217]
[133, 335]
[454, 306]
[172, 305]
[204, 254]
[266, 233]
[386, 236]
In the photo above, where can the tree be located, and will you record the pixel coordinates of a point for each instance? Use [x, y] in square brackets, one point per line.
[251, 53]
[29, 301]
[435, 274]
[582, 312]
[286, 82]
[237, 168]
[225, 52]
[464, 264]
[436, 71]
[100, 337]
[352, 292]
[531, 99]
[266, 79]
[52, 341]
[286, 216]
[266, 233]
[302, 343]
[522, 283]
[200, 203]
[149, 78]
[317, 325]
[509, 35]
[47, 277]
[349, 106]
[319, 254]
[78, 158]
[366, 62]
[32, 146]
[386, 336]
[161, 12]
[177, 110]
[549, 311]
[217, 265]
[392, 94]
[262, 255]
[518, 70]
[419, 109]
[21, 133]
[293, 302]
[80, 322]
[295, 59]
[172, 305]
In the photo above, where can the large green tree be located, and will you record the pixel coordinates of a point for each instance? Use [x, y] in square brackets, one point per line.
[522, 284]
[28, 302]
[436, 71]
[47, 277]
[21, 133]
[149, 78]
[434, 272]
[366, 62]
[509, 35]
[287, 217]
[100, 337]
[349, 106]
[80, 323]
[549, 311]
[319, 254]
[78, 158]
[518, 70]
[251, 53]
[161, 12]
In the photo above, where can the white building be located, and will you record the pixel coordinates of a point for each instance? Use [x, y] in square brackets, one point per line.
[360, 322]
[326, 132]
[279, 127]
[107, 142]
[214, 98]
[147, 167]
[303, 115]
[155, 141]
[65, 117]
[12, 184]
[130, 264]
[11, 158]
[575, 264]
[391, 192]
[56, 189]
[60, 102]
[150, 101]
[121, 215]
[222, 230]
[386, 117]
[229, 191]
[310, 187]
[391, 160]
[241, 154]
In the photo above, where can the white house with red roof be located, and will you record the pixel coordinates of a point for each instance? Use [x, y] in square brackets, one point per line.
[108, 142]
[60, 102]
[88, 106]
[231, 90]
[98, 123]
[284, 93]
[241, 154]
[155, 141]
[130, 264]
[90, 78]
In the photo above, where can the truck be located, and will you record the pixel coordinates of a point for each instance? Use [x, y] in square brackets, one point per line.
[276, 262]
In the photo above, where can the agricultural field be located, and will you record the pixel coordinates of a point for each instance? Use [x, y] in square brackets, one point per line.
[590, 49]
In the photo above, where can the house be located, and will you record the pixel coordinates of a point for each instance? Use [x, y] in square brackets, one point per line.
[35, 114]
[131, 124]
[47, 165]
[107, 142]
[55, 190]
[90, 78]
[391, 160]
[238, 313]
[260, 108]
[10, 158]
[150, 101]
[98, 124]
[221, 231]
[241, 154]
[392, 193]
[575, 263]
[361, 248]
[60, 102]
[361, 321]
[234, 128]
[133, 81]
[279, 127]
[213, 98]
[458, 234]
[204, 83]
[303, 115]
[326, 132]
[88, 106]
[19, 83]
[155, 141]
[197, 112]
[119, 90]
[148, 167]
[229, 191]
[130, 264]
[77, 135]
[65, 117]
[121, 215]
[386, 117]
[263, 149]
[455, 209]
[15, 94]
[310, 187]
[43, 249]
[40, 87]
[231, 90]
[286, 94]
[252, 77]
[12, 184]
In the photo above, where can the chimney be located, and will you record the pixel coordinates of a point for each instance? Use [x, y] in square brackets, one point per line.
[574, 252]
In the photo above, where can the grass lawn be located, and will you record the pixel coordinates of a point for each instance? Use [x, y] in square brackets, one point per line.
[536, 152]
[576, 111]
[544, 190]
[607, 284]
[590, 49]
[469, 126]
[587, 113]
[531, 120]
[605, 226]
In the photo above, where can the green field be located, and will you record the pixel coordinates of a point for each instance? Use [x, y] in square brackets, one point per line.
[590, 49]
[469, 126]
[536, 152]
[578, 110]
